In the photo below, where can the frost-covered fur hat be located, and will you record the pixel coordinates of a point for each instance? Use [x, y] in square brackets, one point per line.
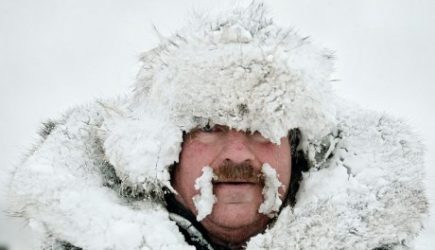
[239, 70]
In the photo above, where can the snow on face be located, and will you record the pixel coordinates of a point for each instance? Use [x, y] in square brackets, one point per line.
[272, 202]
[205, 199]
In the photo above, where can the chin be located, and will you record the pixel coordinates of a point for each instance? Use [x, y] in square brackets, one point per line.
[234, 223]
[235, 215]
[235, 218]
[237, 205]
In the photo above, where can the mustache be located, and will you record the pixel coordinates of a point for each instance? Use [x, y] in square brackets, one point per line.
[229, 171]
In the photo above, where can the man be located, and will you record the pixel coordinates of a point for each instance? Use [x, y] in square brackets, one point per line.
[232, 138]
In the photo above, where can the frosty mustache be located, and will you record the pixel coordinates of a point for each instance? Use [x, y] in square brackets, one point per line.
[231, 172]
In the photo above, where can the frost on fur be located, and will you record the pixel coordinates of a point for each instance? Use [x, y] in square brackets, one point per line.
[246, 72]
[205, 199]
[272, 202]
[141, 147]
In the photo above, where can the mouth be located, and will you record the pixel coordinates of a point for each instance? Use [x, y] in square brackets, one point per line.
[238, 181]
[236, 193]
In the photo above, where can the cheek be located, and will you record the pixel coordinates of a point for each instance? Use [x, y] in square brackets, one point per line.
[194, 156]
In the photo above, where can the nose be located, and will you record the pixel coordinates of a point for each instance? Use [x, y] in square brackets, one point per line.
[237, 148]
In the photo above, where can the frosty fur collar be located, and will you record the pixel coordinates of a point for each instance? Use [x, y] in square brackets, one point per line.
[363, 190]
[367, 194]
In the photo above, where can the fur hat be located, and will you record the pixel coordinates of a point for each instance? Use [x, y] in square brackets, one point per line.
[240, 70]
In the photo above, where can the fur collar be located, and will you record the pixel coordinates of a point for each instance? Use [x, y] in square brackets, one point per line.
[367, 193]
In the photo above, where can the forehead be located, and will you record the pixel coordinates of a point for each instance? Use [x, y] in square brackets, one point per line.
[214, 134]
[218, 129]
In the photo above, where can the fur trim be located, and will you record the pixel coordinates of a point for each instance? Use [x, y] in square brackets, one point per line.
[154, 144]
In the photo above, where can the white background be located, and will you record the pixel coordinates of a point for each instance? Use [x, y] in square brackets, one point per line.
[55, 54]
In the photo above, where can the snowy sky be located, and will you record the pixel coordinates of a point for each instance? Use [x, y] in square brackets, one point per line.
[56, 54]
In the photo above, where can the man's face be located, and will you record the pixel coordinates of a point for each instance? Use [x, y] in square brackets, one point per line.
[235, 216]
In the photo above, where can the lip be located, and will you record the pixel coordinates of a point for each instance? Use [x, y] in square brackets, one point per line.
[234, 183]
[236, 192]
[234, 186]
[251, 180]
[238, 185]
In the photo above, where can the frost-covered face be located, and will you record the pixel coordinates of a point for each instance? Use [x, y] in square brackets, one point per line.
[235, 215]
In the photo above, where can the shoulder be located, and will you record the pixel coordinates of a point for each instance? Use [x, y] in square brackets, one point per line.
[68, 191]
[366, 193]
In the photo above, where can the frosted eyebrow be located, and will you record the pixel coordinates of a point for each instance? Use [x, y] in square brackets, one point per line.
[207, 127]
[217, 127]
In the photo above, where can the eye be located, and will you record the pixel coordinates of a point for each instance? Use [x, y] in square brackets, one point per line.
[207, 128]
[213, 129]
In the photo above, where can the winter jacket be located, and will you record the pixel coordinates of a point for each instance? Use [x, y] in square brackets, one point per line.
[99, 178]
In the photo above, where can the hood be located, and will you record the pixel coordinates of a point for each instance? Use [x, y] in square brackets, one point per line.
[237, 69]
